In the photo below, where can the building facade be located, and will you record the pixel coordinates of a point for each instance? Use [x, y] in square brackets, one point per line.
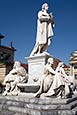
[73, 64]
[6, 59]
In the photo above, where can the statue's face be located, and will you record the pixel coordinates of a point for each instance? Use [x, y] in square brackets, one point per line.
[50, 61]
[16, 64]
[46, 7]
[62, 65]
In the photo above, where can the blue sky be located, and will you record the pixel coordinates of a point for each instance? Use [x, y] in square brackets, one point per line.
[18, 23]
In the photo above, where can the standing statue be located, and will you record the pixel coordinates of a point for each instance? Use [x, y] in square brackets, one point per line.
[45, 24]
[17, 75]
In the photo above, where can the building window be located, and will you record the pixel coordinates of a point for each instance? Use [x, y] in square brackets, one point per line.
[75, 76]
[75, 67]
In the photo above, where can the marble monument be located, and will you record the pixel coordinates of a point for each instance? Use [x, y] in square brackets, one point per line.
[39, 55]
[52, 82]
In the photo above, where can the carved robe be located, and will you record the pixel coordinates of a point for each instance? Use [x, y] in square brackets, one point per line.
[44, 32]
[44, 29]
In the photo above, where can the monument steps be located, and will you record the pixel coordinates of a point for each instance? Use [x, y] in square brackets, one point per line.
[52, 107]
[43, 107]
[37, 106]
[27, 111]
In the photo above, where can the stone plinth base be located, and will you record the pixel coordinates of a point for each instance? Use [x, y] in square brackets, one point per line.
[28, 88]
[26, 105]
[36, 66]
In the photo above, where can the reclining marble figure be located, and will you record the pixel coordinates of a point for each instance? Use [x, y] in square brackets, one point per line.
[17, 75]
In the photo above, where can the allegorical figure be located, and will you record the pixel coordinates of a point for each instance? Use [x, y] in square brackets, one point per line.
[60, 85]
[17, 75]
[54, 83]
[45, 24]
[47, 78]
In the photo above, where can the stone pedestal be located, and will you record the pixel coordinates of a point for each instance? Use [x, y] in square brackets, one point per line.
[36, 66]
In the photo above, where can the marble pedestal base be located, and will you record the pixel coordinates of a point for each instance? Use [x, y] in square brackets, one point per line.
[36, 66]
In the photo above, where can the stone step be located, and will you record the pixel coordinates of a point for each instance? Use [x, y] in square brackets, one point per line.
[36, 106]
[39, 107]
[42, 112]
[39, 101]
[7, 112]
[25, 110]
[52, 107]
[11, 103]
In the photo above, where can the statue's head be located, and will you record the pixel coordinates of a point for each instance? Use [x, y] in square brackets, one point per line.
[50, 61]
[17, 64]
[45, 6]
[61, 64]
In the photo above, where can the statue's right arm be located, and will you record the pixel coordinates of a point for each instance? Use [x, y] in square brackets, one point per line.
[13, 71]
[51, 70]
[43, 16]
